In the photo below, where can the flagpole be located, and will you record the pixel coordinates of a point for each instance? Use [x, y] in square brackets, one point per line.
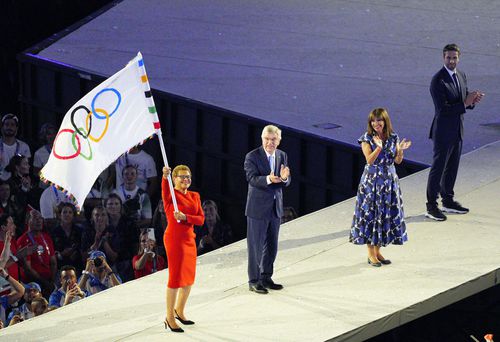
[156, 123]
[165, 161]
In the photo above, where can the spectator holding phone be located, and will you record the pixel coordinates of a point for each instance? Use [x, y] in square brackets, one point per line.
[69, 292]
[147, 261]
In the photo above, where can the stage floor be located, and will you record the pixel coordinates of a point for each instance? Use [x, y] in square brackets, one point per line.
[330, 291]
[300, 64]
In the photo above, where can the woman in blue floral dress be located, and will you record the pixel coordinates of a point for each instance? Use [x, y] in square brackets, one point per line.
[378, 215]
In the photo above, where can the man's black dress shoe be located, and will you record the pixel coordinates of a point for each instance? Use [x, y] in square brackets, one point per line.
[272, 285]
[258, 288]
[183, 321]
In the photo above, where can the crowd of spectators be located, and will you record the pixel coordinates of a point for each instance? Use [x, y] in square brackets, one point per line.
[52, 255]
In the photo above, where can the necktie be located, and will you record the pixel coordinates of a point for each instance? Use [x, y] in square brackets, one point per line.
[455, 80]
[271, 163]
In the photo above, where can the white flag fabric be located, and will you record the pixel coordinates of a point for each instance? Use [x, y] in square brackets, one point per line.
[111, 119]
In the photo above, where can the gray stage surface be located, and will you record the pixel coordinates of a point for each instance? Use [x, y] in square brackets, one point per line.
[330, 292]
[302, 63]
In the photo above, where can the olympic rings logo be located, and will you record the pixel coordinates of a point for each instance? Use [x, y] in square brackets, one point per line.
[79, 133]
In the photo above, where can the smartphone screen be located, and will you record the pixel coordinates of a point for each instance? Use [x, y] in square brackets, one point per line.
[151, 234]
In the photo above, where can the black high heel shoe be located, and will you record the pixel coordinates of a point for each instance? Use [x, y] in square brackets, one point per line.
[177, 330]
[183, 321]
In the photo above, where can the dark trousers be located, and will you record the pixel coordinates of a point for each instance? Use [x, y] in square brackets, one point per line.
[262, 243]
[443, 173]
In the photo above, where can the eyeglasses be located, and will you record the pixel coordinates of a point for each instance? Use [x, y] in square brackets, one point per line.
[184, 177]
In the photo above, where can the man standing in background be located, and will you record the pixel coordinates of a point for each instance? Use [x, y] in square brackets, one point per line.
[451, 98]
[267, 173]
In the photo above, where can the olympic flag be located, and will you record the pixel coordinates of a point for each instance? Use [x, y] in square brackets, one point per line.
[114, 117]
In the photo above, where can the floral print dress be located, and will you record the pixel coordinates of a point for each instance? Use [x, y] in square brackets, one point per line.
[378, 215]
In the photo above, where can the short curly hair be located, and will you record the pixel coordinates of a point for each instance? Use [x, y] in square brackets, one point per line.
[179, 168]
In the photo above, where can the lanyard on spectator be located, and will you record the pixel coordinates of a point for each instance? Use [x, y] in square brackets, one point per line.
[125, 196]
[30, 236]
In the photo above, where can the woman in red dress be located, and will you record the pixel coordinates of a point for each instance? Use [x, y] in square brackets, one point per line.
[179, 240]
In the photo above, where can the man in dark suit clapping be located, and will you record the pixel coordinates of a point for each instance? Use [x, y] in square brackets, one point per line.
[451, 99]
[267, 173]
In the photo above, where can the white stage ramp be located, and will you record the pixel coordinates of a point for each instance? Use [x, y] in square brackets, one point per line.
[330, 291]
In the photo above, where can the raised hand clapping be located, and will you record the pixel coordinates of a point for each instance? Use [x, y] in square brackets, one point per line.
[284, 172]
[404, 144]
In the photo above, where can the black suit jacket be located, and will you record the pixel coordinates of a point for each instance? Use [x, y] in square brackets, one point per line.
[261, 196]
[447, 125]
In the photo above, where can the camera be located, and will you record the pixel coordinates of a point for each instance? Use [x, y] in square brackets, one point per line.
[98, 262]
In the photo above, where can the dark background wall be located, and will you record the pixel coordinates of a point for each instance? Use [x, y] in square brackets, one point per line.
[24, 24]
